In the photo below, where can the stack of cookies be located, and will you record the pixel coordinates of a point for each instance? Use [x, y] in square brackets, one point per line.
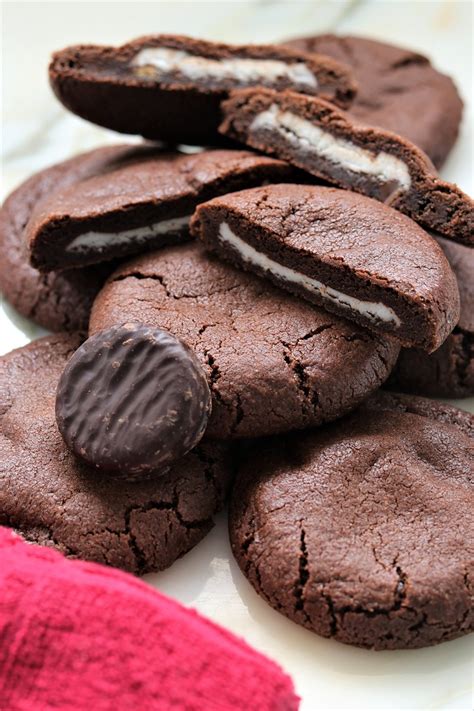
[224, 320]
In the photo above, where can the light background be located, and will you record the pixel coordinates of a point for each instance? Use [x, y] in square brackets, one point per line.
[37, 131]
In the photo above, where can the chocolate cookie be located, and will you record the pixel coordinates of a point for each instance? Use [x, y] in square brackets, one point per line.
[52, 498]
[274, 362]
[142, 204]
[449, 371]
[56, 301]
[170, 87]
[398, 90]
[362, 531]
[132, 400]
[348, 253]
[319, 138]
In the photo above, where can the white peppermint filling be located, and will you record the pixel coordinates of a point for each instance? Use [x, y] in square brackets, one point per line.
[301, 133]
[242, 70]
[100, 240]
[374, 311]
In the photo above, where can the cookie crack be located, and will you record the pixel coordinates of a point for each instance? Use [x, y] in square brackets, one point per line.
[313, 332]
[310, 395]
[154, 277]
[333, 624]
[303, 576]
[169, 293]
[213, 380]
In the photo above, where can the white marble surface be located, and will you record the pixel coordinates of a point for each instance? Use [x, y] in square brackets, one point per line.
[37, 131]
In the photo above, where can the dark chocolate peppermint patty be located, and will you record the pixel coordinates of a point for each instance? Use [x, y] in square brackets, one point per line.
[132, 400]
[345, 252]
[323, 140]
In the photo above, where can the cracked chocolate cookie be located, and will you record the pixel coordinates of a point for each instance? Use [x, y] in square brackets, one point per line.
[449, 371]
[348, 253]
[132, 400]
[58, 301]
[137, 205]
[398, 90]
[169, 87]
[274, 362]
[326, 142]
[54, 499]
[362, 531]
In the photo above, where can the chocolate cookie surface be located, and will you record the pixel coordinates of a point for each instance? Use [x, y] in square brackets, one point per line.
[345, 252]
[137, 205]
[58, 301]
[449, 371]
[398, 90]
[274, 362]
[132, 400]
[362, 531]
[326, 142]
[169, 86]
[51, 498]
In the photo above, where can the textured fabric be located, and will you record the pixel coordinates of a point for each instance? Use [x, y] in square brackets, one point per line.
[77, 635]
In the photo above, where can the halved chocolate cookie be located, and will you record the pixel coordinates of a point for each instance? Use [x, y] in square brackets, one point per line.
[143, 204]
[350, 254]
[170, 87]
[319, 138]
[449, 371]
[58, 301]
[52, 498]
[363, 531]
[274, 362]
[398, 89]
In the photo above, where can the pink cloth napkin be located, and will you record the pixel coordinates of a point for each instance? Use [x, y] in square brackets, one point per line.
[77, 635]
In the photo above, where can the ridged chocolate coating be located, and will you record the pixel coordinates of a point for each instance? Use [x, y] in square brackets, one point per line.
[132, 400]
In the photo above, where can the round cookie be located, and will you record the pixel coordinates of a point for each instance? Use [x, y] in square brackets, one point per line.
[398, 90]
[59, 300]
[51, 498]
[274, 362]
[449, 371]
[362, 531]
